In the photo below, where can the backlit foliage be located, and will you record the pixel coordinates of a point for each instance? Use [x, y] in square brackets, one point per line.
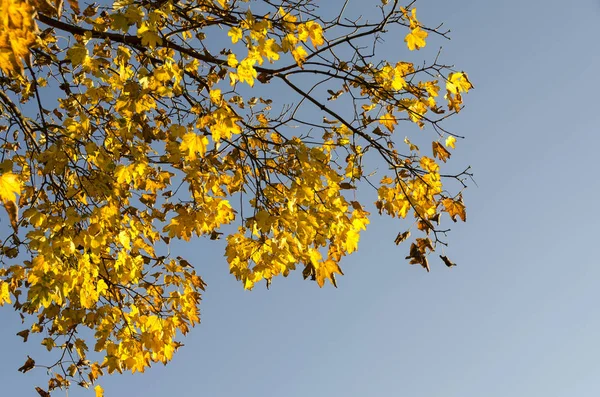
[130, 124]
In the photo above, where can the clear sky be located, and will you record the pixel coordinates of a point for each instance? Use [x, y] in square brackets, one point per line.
[517, 317]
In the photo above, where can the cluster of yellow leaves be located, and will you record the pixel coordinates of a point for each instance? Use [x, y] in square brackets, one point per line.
[398, 196]
[289, 231]
[153, 145]
[390, 80]
[415, 39]
[255, 34]
[17, 34]
[457, 83]
[93, 252]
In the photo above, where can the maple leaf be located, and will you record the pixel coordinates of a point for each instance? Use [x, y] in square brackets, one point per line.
[299, 54]
[193, 144]
[236, 34]
[455, 208]
[440, 151]
[246, 71]
[270, 49]
[389, 121]
[77, 54]
[458, 82]
[10, 186]
[327, 270]
[315, 32]
[451, 142]
[120, 22]
[149, 36]
[416, 39]
[429, 164]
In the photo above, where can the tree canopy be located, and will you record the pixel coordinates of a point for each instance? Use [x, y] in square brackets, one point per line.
[126, 125]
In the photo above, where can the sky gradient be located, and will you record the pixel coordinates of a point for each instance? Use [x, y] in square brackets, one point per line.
[517, 316]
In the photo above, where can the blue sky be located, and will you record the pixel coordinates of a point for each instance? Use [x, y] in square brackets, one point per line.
[517, 317]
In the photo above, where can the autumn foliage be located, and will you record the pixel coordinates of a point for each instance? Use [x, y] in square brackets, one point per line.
[128, 125]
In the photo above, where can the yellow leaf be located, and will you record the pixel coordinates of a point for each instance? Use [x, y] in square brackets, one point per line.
[101, 287]
[232, 61]
[389, 121]
[10, 186]
[455, 208]
[454, 101]
[429, 164]
[236, 34]
[263, 221]
[432, 88]
[81, 347]
[416, 111]
[315, 32]
[149, 36]
[193, 144]
[77, 54]
[416, 39]
[300, 55]
[4, 293]
[458, 82]
[450, 142]
[215, 96]
[271, 50]
[124, 239]
[134, 13]
[315, 256]
[287, 17]
[352, 238]
[440, 151]
[120, 22]
[326, 271]
[302, 32]
[398, 82]
[246, 71]
[99, 391]
[224, 124]
[162, 74]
